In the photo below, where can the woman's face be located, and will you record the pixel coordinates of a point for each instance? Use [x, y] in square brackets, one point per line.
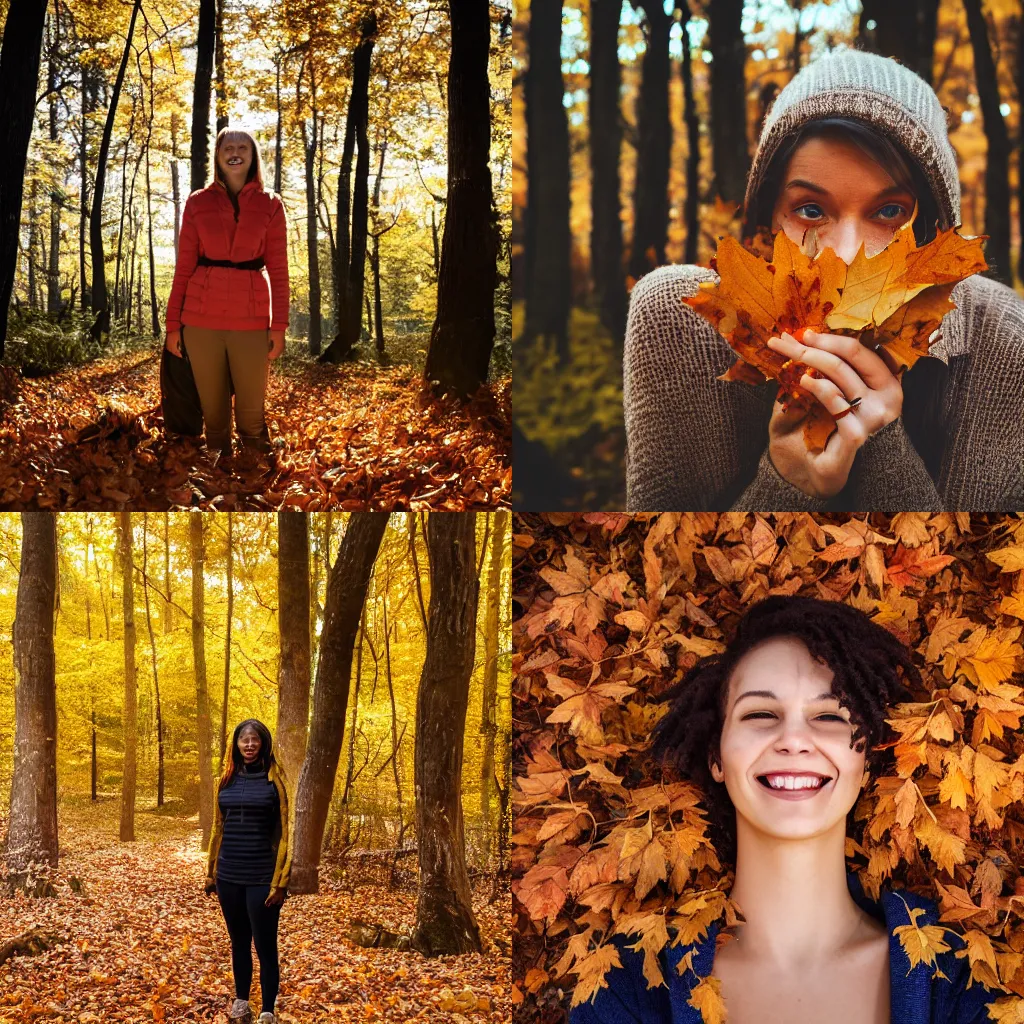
[785, 748]
[249, 744]
[234, 157]
[834, 186]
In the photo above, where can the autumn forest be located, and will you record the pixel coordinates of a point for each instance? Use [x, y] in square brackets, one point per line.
[374, 647]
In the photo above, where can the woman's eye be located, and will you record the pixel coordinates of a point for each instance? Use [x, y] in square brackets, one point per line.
[899, 208]
[833, 718]
[757, 714]
[807, 206]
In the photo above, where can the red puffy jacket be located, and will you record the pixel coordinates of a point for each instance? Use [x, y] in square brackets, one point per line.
[223, 298]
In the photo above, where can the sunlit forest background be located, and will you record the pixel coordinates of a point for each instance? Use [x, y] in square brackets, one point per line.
[609, 89]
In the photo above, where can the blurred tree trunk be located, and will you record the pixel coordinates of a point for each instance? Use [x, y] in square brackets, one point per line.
[222, 93]
[167, 611]
[309, 146]
[19, 63]
[156, 678]
[691, 205]
[205, 45]
[346, 592]
[730, 155]
[175, 184]
[293, 619]
[32, 835]
[56, 196]
[997, 162]
[547, 238]
[198, 546]
[904, 30]
[444, 911]
[654, 143]
[605, 120]
[129, 723]
[230, 574]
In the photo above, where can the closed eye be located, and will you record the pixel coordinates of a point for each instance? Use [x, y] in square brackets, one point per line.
[768, 714]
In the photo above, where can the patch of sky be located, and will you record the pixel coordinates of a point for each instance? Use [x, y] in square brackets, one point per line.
[1004, 109]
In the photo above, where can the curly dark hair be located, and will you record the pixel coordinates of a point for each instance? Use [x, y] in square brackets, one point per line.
[865, 660]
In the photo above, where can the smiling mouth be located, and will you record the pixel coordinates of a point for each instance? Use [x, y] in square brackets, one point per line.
[785, 782]
[234, 161]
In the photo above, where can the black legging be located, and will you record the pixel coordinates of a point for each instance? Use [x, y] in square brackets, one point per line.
[248, 921]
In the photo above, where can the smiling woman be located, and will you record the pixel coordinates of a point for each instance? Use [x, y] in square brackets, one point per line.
[782, 731]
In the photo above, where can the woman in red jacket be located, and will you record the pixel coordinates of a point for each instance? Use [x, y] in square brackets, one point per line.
[222, 309]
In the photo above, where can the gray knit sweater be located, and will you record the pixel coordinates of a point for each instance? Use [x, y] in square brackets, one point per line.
[696, 443]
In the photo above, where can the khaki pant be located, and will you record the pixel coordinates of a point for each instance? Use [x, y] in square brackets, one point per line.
[220, 358]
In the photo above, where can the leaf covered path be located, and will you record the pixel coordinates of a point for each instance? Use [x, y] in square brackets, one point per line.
[141, 942]
[357, 436]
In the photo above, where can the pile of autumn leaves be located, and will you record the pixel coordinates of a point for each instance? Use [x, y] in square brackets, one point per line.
[613, 608]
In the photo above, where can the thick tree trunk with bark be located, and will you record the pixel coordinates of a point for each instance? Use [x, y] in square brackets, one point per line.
[53, 271]
[129, 725]
[548, 242]
[605, 152]
[346, 592]
[730, 156]
[32, 835]
[19, 63]
[654, 144]
[100, 300]
[444, 912]
[350, 256]
[205, 45]
[997, 161]
[198, 546]
[293, 618]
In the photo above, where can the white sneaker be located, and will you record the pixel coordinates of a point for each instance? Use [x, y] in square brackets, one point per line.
[239, 1009]
[267, 1018]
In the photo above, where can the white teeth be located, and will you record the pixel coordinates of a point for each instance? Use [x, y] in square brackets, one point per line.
[795, 782]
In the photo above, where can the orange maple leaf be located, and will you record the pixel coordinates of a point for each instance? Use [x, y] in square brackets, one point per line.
[897, 296]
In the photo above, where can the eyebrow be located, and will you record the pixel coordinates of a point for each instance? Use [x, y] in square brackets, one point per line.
[893, 190]
[772, 696]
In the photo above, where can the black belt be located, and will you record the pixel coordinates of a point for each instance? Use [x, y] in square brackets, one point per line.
[256, 264]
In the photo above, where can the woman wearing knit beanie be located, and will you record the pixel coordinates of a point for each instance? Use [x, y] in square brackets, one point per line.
[866, 138]
[250, 861]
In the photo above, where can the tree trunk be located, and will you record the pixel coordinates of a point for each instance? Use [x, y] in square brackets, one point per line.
[350, 770]
[277, 135]
[654, 144]
[396, 737]
[730, 155]
[905, 31]
[411, 519]
[346, 591]
[83, 207]
[167, 612]
[152, 267]
[156, 677]
[312, 243]
[33, 242]
[100, 301]
[222, 94]
[205, 45]
[32, 835]
[350, 259]
[444, 911]
[462, 337]
[293, 619]
[19, 64]
[230, 573]
[53, 271]
[489, 710]
[129, 724]
[175, 185]
[605, 153]
[997, 162]
[691, 204]
[198, 546]
[548, 243]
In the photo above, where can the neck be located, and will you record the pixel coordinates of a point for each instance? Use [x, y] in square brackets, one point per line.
[234, 187]
[794, 897]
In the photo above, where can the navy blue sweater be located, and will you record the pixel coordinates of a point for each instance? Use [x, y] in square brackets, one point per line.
[252, 822]
[916, 998]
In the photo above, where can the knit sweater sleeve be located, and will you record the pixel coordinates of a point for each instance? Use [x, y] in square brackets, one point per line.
[888, 475]
[276, 259]
[691, 439]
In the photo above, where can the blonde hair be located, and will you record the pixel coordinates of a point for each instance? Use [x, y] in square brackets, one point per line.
[255, 168]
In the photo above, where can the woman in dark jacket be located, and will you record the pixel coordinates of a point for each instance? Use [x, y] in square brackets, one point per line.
[779, 731]
[250, 861]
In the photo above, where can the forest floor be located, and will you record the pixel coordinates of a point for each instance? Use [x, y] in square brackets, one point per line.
[573, 416]
[357, 436]
[141, 942]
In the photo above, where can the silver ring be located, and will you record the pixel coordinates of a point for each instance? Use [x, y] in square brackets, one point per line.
[855, 403]
[875, 348]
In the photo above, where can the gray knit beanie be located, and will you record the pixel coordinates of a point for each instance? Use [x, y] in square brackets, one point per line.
[880, 91]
